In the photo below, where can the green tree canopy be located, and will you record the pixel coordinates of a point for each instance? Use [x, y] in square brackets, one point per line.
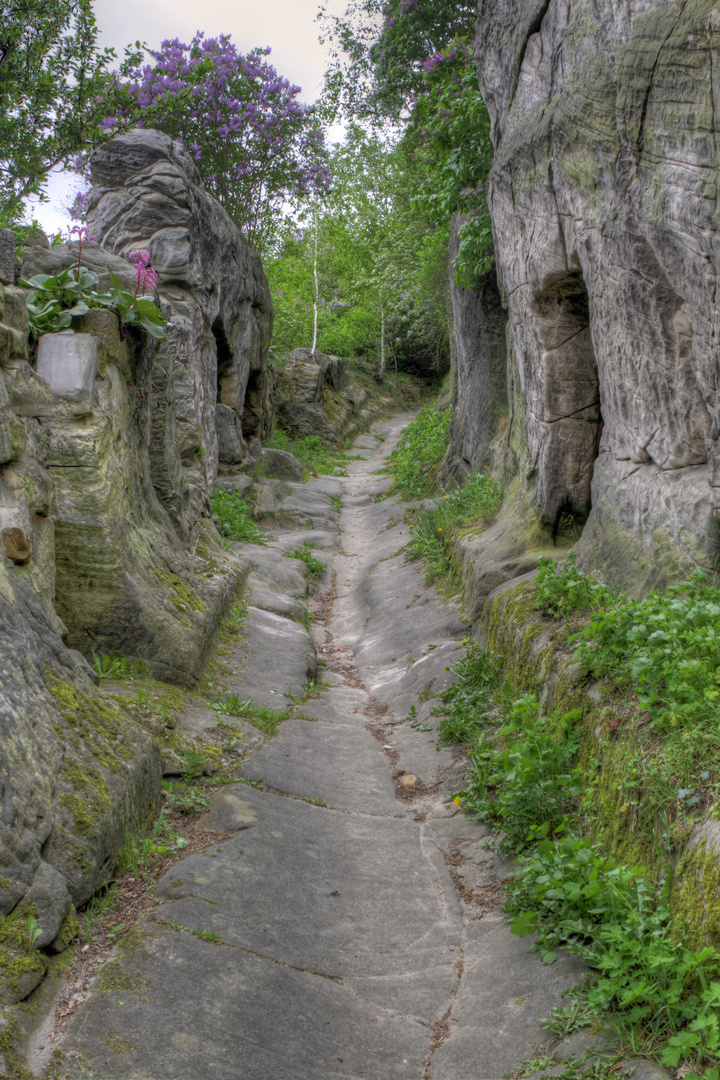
[55, 89]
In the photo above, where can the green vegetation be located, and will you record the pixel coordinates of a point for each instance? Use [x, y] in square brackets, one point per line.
[184, 799]
[314, 455]
[468, 704]
[316, 567]
[562, 589]
[136, 852]
[117, 666]
[415, 460]
[655, 980]
[465, 509]
[231, 515]
[257, 715]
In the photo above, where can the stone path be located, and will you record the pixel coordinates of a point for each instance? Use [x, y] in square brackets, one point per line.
[350, 922]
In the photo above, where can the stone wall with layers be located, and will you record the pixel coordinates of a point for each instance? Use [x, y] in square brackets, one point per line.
[603, 197]
[105, 538]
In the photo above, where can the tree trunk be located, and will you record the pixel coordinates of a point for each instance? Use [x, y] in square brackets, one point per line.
[381, 372]
[317, 289]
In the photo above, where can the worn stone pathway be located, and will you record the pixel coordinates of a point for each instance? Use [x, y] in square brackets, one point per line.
[351, 919]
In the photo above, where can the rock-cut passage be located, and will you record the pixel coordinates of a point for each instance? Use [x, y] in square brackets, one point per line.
[351, 921]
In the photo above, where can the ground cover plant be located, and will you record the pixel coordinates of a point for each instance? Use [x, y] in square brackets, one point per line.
[415, 460]
[314, 455]
[464, 509]
[316, 567]
[231, 515]
[651, 980]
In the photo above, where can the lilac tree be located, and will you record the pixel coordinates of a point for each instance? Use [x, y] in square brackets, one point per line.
[258, 148]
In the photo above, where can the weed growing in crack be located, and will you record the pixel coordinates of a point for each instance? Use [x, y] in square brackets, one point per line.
[257, 715]
[316, 567]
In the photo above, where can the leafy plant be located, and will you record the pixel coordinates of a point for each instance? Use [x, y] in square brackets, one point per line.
[560, 588]
[231, 515]
[134, 310]
[473, 505]
[185, 800]
[137, 851]
[316, 567]
[468, 704]
[118, 666]
[574, 897]
[32, 932]
[523, 777]
[664, 647]
[55, 299]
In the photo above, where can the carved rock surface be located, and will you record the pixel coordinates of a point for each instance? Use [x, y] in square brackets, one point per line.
[603, 199]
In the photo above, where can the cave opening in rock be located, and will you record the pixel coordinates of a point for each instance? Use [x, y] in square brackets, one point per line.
[252, 406]
[570, 420]
[224, 352]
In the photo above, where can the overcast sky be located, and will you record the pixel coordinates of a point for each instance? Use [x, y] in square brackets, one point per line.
[287, 26]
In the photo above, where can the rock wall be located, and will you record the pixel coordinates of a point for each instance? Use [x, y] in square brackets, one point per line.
[75, 769]
[478, 370]
[105, 538]
[137, 570]
[603, 199]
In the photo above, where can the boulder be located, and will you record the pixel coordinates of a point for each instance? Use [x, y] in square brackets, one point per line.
[281, 464]
[315, 396]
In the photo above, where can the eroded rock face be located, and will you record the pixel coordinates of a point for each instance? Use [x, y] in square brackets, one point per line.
[478, 366]
[315, 396]
[603, 199]
[75, 769]
[148, 195]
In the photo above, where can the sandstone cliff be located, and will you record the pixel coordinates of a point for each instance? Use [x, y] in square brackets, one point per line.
[603, 200]
[106, 539]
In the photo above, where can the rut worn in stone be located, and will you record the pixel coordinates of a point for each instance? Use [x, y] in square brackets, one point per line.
[341, 944]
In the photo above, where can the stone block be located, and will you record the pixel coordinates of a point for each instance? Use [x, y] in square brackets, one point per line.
[69, 364]
[7, 257]
[281, 464]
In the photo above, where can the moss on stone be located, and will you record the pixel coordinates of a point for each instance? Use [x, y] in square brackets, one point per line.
[11, 1049]
[85, 821]
[118, 1044]
[91, 717]
[69, 930]
[695, 895]
[178, 591]
[16, 958]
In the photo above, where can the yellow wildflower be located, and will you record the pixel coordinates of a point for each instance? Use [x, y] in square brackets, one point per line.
[457, 800]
